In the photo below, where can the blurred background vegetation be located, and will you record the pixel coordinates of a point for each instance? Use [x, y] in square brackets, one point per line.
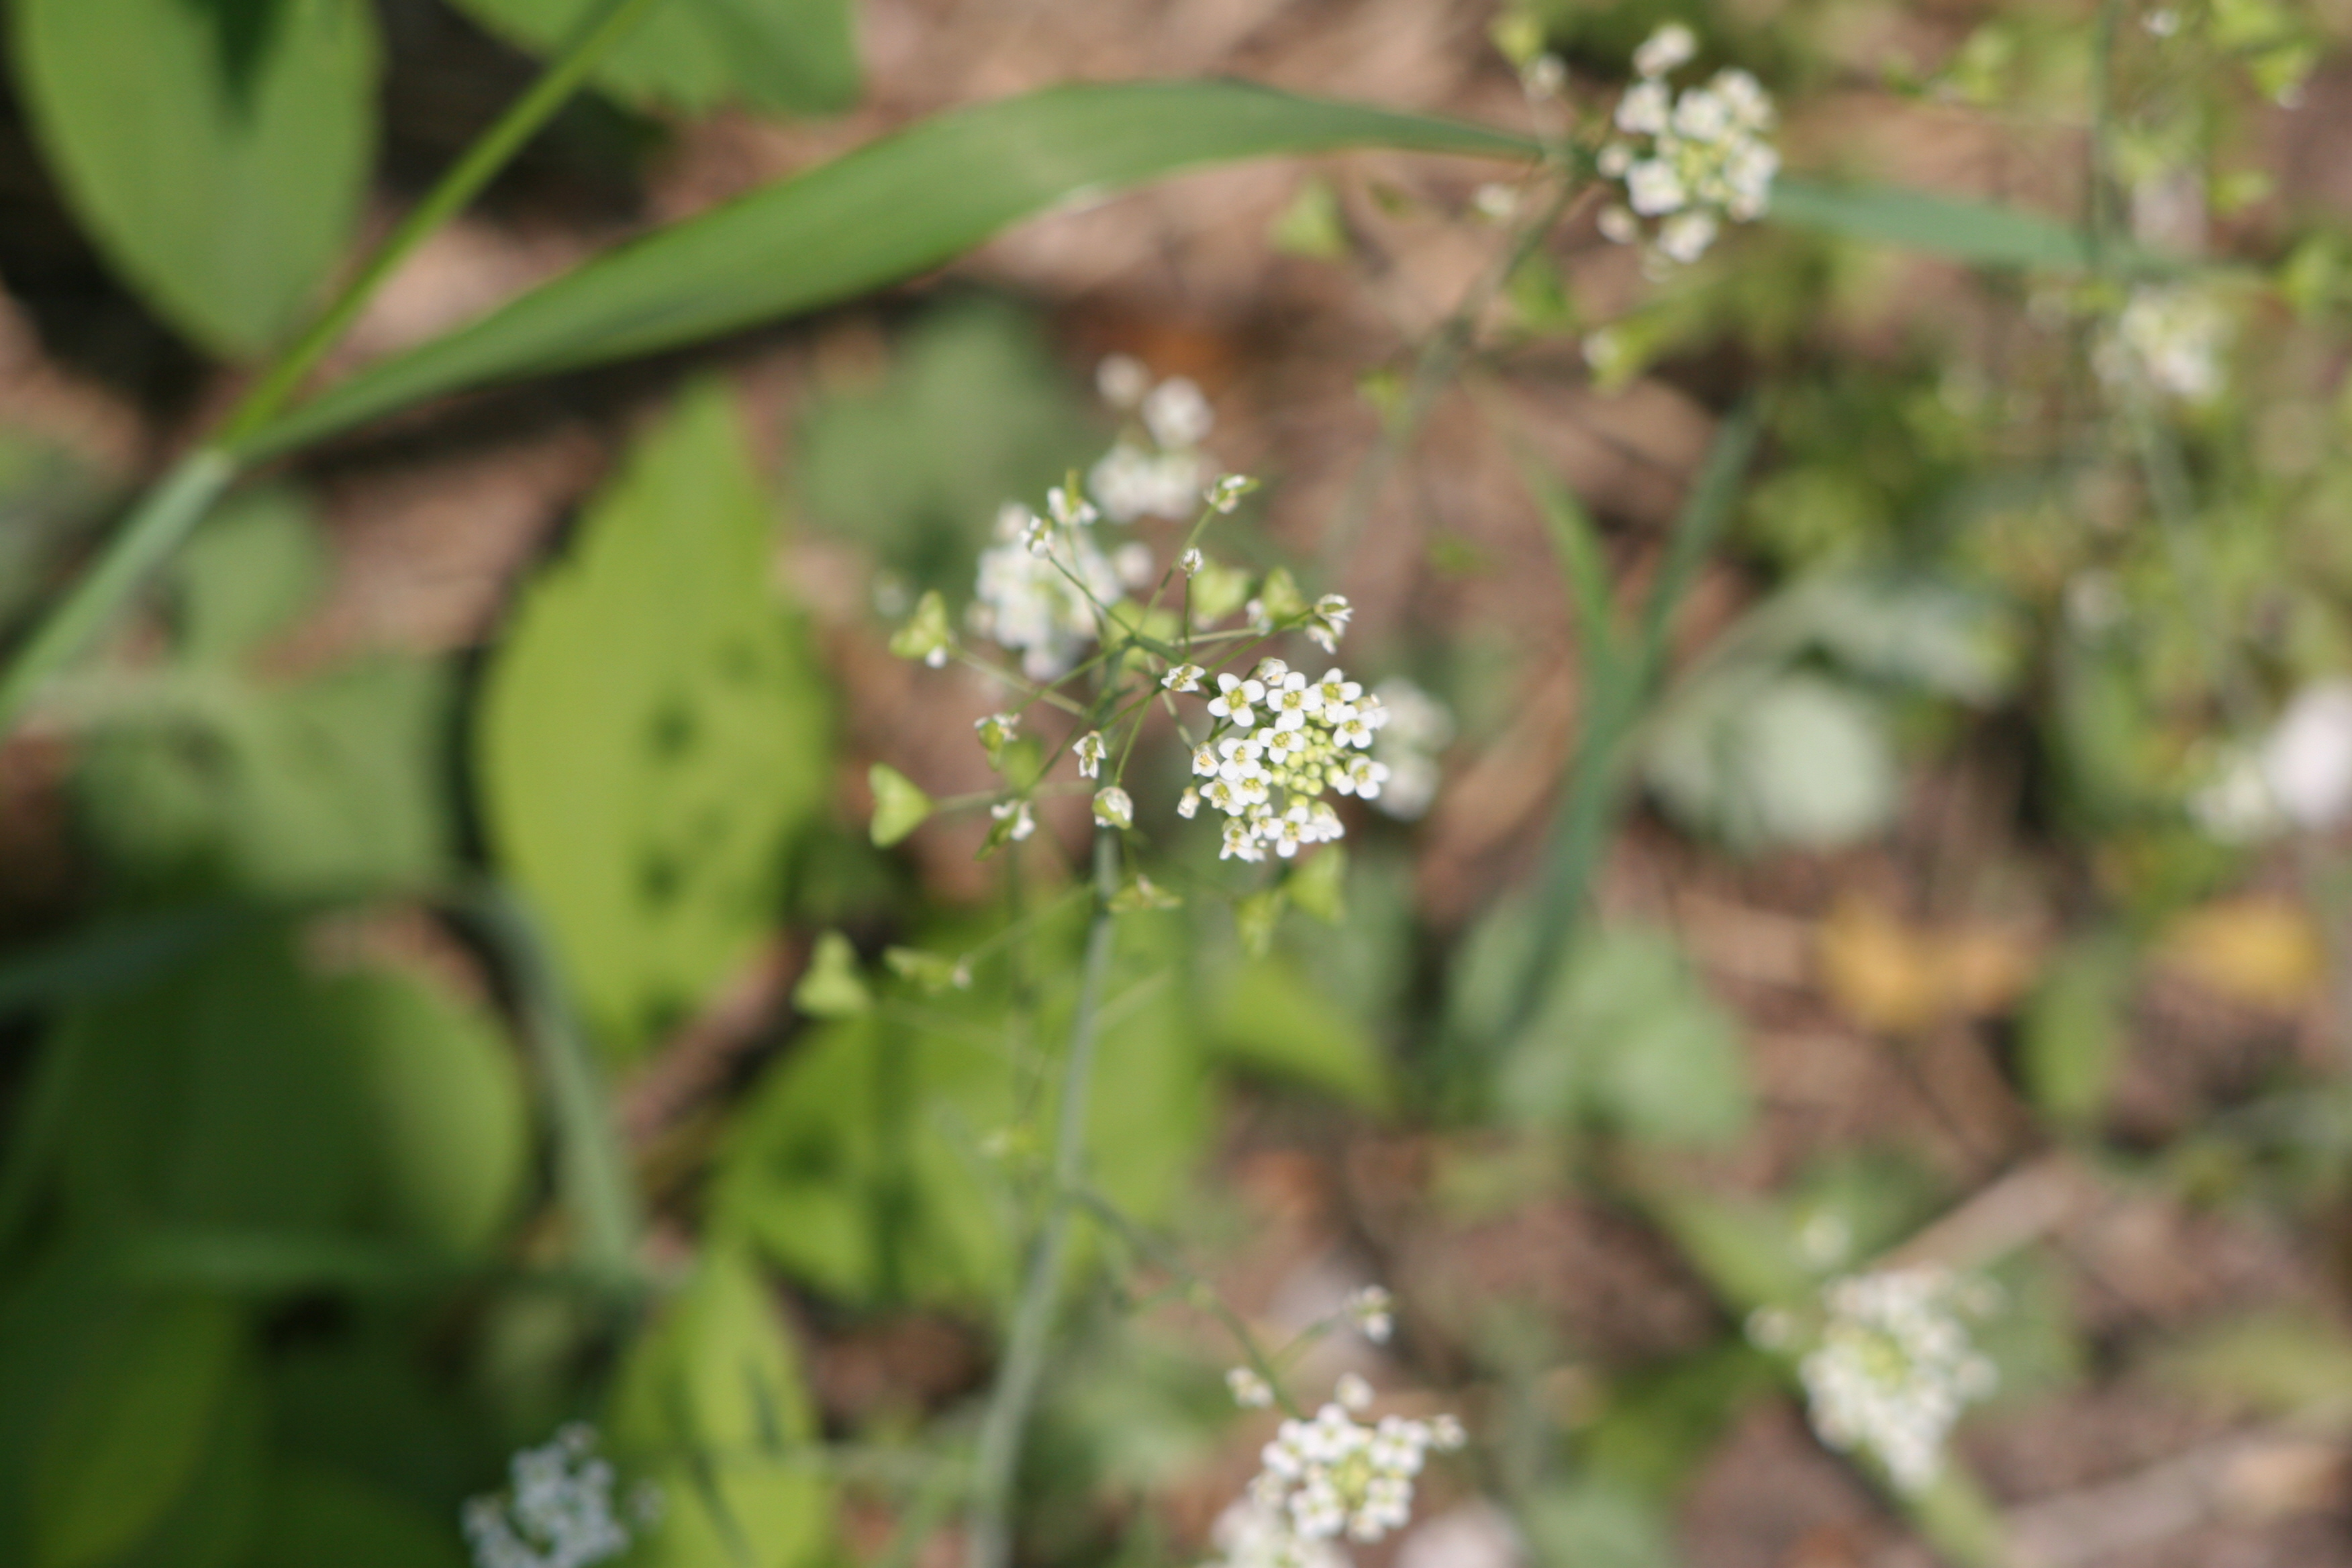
[449, 988]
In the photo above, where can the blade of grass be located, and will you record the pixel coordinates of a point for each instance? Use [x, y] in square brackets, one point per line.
[1593, 800]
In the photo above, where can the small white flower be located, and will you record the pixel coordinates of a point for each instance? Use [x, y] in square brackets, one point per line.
[1188, 804]
[1176, 413]
[1184, 677]
[1205, 763]
[1036, 536]
[1113, 808]
[1359, 776]
[1191, 562]
[1685, 235]
[997, 729]
[1237, 698]
[1653, 188]
[1068, 508]
[1227, 492]
[1250, 1391]
[1494, 202]
[1089, 750]
[1702, 115]
[1544, 77]
[1374, 1310]
[1644, 110]
[1241, 844]
[1352, 1392]
[1122, 380]
[1017, 812]
[1670, 48]
[1326, 623]
[1619, 225]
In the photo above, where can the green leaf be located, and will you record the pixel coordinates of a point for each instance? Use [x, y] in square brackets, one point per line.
[832, 987]
[245, 575]
[1312, 225]
[1626, 1037]
[875, 1162]
[1765, 758]
[2071, 1039]
[113, 1399]
[246, 1091]
[1961, 230]
[691, 56]
[211, 779]
[654, 731]
[315, 1515]
[707, 1405]
[445, 1140]
[216, 152]
[1270, 1020]
[888, 210]
[899, 808]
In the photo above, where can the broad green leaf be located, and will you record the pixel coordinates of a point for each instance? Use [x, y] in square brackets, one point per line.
[113, 1399]
[1961, 230]
[892, 208]
[2071, 1038]
[1596, 1522]
[654, 731]
[246, 574]
[691, 56]
[1767, 758]
[444, 1128]
[215, 150]
[209, 779]
[1269, 1020]
[899, 805]
[247, 1092]
[1626, 1039]
[315, 1515]
[707, 1405]
[875, 1161]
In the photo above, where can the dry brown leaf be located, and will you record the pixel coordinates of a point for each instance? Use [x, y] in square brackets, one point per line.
[1897, 978]
[2264, 952]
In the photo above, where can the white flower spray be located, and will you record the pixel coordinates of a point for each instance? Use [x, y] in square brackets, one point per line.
[1686, 163]
[1894, 1367]
[557, 1511]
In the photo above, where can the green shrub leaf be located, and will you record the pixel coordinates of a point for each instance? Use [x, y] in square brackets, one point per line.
[654, 731]
[691, 56]
[216, 153]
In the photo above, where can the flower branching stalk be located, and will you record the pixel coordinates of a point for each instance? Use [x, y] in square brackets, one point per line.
[997, 1460]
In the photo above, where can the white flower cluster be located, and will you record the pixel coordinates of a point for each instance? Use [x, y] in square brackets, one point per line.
[1033, 585]
[1334, 1474]
[2171, 338]
[558, 1512]
[1043, 580]
[1159, 476]
[1895, 1366]
[1313, 735]
[1687, 162]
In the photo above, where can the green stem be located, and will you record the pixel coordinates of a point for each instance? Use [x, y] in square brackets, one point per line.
[147, 537]
[997, 1461]
[591, 1171]
[179, 500]
[1614, 704]
[480, 164]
